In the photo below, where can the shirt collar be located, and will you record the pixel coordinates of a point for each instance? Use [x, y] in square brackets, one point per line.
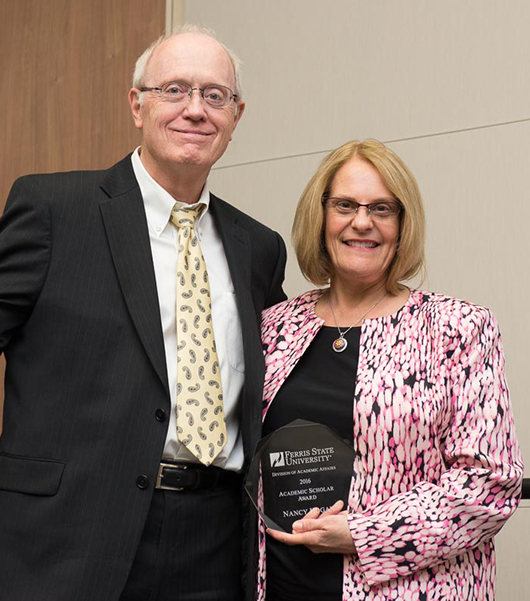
[159, 203]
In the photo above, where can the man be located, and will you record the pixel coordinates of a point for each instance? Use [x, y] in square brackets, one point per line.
[130, 302]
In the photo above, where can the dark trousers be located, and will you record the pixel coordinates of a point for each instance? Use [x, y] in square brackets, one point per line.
[190, 548]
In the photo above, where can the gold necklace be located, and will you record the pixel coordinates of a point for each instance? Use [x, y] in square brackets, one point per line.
[339, 345]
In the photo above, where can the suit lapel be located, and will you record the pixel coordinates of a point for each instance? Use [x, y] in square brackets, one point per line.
[126, 226]
[236, 243]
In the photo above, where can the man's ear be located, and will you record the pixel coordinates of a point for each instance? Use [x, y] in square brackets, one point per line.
[240, 107]
[136, 107]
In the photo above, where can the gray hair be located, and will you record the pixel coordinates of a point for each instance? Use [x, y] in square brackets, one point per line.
[141, 63]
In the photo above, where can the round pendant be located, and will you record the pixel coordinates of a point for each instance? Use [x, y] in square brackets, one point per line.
[340, 344]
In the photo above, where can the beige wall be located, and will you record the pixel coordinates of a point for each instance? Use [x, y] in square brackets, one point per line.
[446, 84]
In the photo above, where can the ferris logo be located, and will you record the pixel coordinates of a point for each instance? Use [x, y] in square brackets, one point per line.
[277, 459]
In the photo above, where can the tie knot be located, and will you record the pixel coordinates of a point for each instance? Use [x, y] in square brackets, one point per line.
[183, 216]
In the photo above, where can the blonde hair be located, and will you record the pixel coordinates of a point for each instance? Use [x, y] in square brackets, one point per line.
[309, 220]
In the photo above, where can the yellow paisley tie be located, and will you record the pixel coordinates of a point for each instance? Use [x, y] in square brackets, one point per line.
[200, 418]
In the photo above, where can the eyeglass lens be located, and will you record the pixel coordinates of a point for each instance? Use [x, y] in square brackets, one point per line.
[376, 210]
[214, 95]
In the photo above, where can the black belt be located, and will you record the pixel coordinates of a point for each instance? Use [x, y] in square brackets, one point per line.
[192, 476]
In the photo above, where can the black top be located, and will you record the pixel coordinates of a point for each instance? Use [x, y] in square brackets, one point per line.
[319, 389]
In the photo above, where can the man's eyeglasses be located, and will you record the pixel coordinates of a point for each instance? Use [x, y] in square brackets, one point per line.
[179, 91]
[381, 210]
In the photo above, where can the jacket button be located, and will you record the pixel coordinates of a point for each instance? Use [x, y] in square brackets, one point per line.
[160, 415]
[142, 482]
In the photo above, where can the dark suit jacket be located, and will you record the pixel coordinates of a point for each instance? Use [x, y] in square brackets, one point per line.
[80, 329]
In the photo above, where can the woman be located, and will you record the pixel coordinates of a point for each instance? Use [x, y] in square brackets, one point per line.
[414, 380]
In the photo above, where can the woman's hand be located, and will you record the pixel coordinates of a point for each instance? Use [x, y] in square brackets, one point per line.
[320, 533]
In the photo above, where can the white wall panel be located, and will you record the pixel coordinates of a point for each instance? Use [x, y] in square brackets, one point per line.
[317, 73]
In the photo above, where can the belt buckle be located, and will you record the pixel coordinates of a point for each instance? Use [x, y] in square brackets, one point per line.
[160, 476]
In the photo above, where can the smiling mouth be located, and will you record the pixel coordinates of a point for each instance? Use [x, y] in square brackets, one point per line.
[191, 132]
[360, 243]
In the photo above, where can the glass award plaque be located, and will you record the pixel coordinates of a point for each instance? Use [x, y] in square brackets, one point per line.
[299, 466]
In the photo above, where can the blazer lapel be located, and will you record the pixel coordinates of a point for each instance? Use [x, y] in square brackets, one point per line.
[126, 226]
[236, 243]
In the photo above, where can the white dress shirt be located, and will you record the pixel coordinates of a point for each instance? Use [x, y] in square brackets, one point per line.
[163, 236]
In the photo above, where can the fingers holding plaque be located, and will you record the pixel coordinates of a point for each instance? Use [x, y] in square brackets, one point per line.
[302, 465]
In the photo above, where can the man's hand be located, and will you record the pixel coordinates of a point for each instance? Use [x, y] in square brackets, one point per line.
[320, 533]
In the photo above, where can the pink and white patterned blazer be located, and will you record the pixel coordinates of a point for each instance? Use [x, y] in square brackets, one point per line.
[438, 469]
